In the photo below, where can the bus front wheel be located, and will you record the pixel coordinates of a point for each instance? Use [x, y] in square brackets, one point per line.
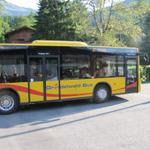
[8, 102]
[102, 93]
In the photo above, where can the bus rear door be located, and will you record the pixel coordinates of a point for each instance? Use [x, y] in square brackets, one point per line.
[131, 74]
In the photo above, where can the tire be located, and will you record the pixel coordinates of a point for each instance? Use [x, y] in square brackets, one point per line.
[9, 102]
[102, 93]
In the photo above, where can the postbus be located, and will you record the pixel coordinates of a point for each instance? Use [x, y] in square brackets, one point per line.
[55, 71]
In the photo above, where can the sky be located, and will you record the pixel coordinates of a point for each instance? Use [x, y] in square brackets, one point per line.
[28, 3]
[25, 3]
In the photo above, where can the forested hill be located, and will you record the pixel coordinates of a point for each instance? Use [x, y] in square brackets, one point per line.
[130, 1]
[10, 9]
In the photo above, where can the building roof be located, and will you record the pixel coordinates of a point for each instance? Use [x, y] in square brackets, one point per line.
[18, 30]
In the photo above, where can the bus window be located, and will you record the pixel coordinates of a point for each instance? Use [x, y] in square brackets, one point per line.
[131, 70]
[120, 64]
[84, 73]
[105, 66]
[75, 66]
[12, 69]
[51, 69]
[36, 73]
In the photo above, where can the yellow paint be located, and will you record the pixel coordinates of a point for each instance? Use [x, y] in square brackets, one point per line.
[87, 86]
[36, 86]
[57, 43]
[69, 88]
[52, 88]
[139, 76]
[21, 89]
[23, 95]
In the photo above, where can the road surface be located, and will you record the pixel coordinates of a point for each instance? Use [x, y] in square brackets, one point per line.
[120, 124]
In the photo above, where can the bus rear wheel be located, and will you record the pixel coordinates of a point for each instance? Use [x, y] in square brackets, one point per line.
[102, 93]
[8, 102]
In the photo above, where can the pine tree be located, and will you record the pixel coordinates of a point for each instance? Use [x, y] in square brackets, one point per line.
[54, 21]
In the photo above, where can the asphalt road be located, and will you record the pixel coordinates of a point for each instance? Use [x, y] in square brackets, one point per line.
[121, 124]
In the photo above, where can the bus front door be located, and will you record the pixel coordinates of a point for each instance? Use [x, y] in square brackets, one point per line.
[131, 75]
[43, 76]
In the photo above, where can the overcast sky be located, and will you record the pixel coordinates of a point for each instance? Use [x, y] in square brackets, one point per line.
[25, 3]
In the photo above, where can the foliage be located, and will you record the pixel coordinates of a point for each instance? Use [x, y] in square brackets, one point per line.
[145, 46]
[82, 21]
[54, 21]
[117, 24]
[18, 22]
[1, 31]
[9, 23]
[1, 26]
[98, 22]
[28, 21]
[145, 73]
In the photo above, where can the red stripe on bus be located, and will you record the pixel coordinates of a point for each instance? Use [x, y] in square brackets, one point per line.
[132, 85]
[35, 92]
[70, 95]
[118, 89]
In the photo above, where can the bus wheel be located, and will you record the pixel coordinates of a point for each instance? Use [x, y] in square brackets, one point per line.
[8, 102]
[102, 93]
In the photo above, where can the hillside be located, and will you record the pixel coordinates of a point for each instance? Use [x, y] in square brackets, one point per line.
[10, 9]
[130, 1]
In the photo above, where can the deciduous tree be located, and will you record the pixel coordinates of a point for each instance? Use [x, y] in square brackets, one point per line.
[145, 46]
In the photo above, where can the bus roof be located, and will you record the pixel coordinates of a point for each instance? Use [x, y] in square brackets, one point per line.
[58, 43]
[121, 50]
[49, 43]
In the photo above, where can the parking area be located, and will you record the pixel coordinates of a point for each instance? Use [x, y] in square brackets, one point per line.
[122, 123]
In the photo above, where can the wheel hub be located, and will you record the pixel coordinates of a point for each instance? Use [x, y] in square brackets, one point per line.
[102, 93]
[6, 103]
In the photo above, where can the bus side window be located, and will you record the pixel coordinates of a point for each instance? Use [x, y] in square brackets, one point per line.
[36, 73]
[75, 66]
[12, 68]
[105, 66]
[120, 65]
[84, 73]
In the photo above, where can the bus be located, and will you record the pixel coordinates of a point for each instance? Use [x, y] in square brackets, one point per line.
[57, 71]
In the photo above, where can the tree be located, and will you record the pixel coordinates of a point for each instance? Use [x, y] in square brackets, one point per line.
[145, 46]
[117, 24]
[16, 22]
[1, 25]
[21, 21]
[54, 21]
[82, 21]
[1, 31]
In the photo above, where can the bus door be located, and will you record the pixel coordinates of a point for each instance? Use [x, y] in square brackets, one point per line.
[52, 78]
[43, 78]
[131, 74]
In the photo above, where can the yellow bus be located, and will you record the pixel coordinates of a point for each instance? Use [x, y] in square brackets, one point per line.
[54, 71]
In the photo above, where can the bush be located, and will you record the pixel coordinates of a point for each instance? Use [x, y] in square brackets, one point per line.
[145, 73]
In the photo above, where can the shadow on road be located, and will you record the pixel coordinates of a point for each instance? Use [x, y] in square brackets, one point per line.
[37, 115]
[45, 113]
